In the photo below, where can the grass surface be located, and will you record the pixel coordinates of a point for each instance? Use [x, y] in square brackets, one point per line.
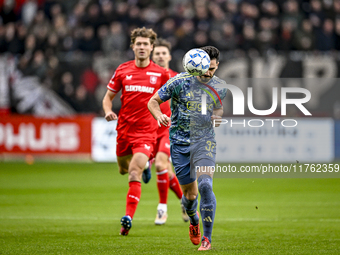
[73, 208]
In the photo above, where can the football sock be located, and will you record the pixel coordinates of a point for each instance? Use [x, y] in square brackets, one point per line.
[175, 187]
[133, 197]
[163, 185]
[207, 204]
[163, 207]
[191, 208]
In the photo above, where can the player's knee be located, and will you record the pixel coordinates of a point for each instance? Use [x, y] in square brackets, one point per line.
[135, 174]
[160, 165]
[204, 184]
[189, 194]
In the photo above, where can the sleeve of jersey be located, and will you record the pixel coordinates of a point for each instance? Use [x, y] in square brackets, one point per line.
[115, 83]
[166, 90]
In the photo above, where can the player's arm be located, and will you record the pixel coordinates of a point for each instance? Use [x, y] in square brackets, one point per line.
[153, 106]
[107, 105]
[217, 115]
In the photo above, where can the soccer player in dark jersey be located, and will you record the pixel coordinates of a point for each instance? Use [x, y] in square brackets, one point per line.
[138, 79]
[192, 137]
[166, 178]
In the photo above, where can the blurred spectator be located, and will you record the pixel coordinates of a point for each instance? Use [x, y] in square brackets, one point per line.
[93, 17]
[85, 102]
[29, 10]
[304, 37]
[200, 39]
[185, 34]
[266, 36]
[248, 38]
[37, 66]
[316, 14]
[286, 36]
[7, 13]
[326, 38]
[115, 40]
[292, 14]
[89, 42]
[67, 88]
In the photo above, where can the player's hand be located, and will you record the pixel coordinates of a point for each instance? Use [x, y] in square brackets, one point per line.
[217, 121]
[111, 116]
[163, 120]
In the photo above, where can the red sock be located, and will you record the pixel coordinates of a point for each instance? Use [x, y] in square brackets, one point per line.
[133, 197]
[175, 187]
[163, 185]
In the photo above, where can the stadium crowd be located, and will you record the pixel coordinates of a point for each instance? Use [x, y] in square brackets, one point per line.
[44, 34]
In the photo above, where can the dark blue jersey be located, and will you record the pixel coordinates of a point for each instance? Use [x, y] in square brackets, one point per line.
[188, 122]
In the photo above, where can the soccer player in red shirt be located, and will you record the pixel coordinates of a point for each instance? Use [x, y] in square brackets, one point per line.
[166, 177]
[138, 79]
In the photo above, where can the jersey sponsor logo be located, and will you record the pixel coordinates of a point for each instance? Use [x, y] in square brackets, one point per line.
[137, 88]
[195, 106]
[153, 79]
[129, 77]
[167, 145]
[147, 147]
[162, 181]
[154, 74]
[112, 82]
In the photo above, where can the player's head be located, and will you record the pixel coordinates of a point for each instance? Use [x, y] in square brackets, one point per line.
[214, 55]
[142, 41]
[161, 53]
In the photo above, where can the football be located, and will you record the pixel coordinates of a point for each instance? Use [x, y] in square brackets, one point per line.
[196, 62]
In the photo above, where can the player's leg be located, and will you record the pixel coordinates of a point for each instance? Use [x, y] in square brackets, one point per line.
[123, 164]
[136, 167]
[135, 170]
[204, 157]
[207, 206]
[190, 202]
[161, 164]
[181, 160]
[176, 188]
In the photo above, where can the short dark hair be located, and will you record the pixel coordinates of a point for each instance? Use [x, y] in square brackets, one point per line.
[143, 32]
[162, 42]
[213, 52]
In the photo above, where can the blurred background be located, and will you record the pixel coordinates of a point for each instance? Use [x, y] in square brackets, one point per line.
[56, 58]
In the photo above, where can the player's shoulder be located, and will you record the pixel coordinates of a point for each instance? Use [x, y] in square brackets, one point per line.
[153, 66]
[217, 80]
[125, 65]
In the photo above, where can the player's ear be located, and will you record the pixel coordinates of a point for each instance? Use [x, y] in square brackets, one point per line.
[217, 65]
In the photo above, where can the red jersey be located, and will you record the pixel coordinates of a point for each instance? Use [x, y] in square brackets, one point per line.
[165, 108]
[138, 84]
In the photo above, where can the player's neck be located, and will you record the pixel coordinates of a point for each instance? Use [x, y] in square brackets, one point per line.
[142, 62]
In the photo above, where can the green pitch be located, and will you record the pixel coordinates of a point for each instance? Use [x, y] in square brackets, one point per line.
[63, 208]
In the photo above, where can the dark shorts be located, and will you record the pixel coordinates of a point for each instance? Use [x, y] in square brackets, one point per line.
[186, 158]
